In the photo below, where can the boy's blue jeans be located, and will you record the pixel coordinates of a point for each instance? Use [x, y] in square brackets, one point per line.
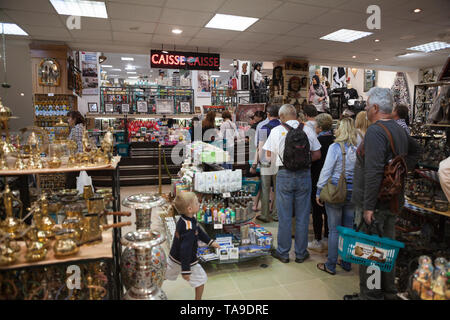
[338, 215]
[293, 192]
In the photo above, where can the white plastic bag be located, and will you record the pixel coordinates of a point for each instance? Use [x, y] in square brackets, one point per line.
[83, 180]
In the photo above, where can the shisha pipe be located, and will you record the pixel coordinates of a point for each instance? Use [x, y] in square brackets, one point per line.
[5, 84]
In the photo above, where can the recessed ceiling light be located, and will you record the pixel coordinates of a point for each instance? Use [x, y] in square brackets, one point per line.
[376, 59]
[377, 40]
[81, 8]
[177, 31]
[131, 72]
[431, 46]
[13, 29]
[22, 94]
[116, 69]
[230, 22]
[127, 59]
[354, 57]
[417, 10]
[224, 71]
[346, 35]
[106, 66]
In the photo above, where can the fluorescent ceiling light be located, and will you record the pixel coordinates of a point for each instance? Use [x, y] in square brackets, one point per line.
[164, 51]
[106, 66]
[431, 46]
[230, 22]
[127, 59]
[377, 40]
[81, 8]
[133, 77]
[130, 67]
[177, 31]
[346, 35]
[116, 69]
[13, 29]
[354, 57]
[224, 71]
[131, 72]
[376, 59]
[417, 10]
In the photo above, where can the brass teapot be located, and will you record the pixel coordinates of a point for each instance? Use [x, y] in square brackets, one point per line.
[65, 245]
[8, 255]
[11, 226]
[42, 218]
[37, 245]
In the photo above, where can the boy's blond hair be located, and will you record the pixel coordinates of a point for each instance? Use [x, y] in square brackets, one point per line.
[183, 200]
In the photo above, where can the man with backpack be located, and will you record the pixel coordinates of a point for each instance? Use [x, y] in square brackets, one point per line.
[268, 172]
[295, 146]
[383, 159]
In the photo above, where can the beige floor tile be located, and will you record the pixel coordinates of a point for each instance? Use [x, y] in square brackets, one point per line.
[270, 293]
[254, 279]
[342, 284]
[220, 285]
[311, 290]
[237, 296]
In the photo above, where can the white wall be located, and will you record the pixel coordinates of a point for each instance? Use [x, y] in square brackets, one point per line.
[18, 71]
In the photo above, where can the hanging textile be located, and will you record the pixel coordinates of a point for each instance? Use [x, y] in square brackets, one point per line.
[400, 90]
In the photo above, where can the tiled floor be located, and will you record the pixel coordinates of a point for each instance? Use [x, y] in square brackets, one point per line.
[250, 281]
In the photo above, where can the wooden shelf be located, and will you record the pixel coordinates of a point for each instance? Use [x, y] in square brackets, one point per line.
[93, 251]
[437, 125]
[447, 214]
[115, 161]
[140, 116]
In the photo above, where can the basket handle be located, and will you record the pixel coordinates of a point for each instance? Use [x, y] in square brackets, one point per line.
[369, 232]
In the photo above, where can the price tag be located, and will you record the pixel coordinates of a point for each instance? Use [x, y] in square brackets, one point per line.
[226, 195]
[218, 226]
[51, 94]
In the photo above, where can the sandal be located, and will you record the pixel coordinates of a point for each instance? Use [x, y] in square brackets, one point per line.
[339, 263]
[323, 267]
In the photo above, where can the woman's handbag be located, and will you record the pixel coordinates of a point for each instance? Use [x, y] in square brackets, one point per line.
[336, 194]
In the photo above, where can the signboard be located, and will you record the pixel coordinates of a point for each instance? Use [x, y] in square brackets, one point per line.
[125, 108]
[89, 72]
[142, 106]
[185, 60]
[185, 107]
[164, 106]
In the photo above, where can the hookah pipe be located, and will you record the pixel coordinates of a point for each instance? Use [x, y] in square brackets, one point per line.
[5, 83]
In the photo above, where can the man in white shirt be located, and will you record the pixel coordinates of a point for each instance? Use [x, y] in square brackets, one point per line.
[293, 188]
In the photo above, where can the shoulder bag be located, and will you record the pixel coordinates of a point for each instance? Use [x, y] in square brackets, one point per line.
[336, 194]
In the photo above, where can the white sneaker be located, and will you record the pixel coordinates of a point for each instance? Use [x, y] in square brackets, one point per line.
[324, 242]
[315, 245]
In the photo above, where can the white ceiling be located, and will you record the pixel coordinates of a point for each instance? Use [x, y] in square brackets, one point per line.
[287, 28]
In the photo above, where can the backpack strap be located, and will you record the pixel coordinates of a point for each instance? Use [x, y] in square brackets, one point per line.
[388, 133]
[286, 126]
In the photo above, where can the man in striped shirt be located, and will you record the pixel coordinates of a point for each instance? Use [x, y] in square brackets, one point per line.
[400, 114]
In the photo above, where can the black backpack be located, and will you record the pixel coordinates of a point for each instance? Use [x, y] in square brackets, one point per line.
[296, 155]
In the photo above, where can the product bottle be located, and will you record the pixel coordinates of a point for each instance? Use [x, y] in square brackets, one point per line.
[205, 219]
[200, 215]
[233, 216]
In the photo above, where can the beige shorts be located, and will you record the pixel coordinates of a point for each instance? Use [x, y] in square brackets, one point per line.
[198, 275]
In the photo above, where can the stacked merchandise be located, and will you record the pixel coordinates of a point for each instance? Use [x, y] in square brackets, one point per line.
[143, 131]
[431, 282]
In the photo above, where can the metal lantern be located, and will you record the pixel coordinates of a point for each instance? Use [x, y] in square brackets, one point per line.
[143, 259]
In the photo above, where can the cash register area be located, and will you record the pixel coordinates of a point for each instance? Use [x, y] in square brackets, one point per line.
[264, 278]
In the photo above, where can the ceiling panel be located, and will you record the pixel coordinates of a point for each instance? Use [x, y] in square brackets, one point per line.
[296, 12]
[62, 33]
[170, 41]
[92, 23]
[322, 3]
[267, 47]
[197, 5]
[166, 29]
[43, 6]
[128, 26]
[360, 6]
[340, 19]
[288, 40]
[200, 42]
[241, 45]
[254, 37]
[35, 19]
[272, 26]
[311, 31]
[249, 8]
[91, 35]
[4, 17]
[184, 17]
[135, 12]
[208, 33]
[156, 3]
[132, 36]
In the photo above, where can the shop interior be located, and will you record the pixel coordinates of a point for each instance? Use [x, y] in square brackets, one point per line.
[138, 115]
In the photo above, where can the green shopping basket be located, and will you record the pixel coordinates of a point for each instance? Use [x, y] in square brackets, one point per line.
[366, 249]
[251, 186]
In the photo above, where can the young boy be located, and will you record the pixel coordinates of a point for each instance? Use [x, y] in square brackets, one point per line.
[183, 254]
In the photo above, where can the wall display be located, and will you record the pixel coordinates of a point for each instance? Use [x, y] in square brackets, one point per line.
[185, 107]
[244, 75]
[89, 71]
[185, 60]
[203, 84]
[142, 106]
[164, 106]
[291, 82]
[93, 107]
[125, 108]
[278, 80]
[428, 75]
[400, 91]
[370, 79]
[245, 111]
[444, 75]
[109, 108]
[339, 77]
[49, 73]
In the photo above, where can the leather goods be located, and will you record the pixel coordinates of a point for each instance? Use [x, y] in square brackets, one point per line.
[395, 172]
[336, 194]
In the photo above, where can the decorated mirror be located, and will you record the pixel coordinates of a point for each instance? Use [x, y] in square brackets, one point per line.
[49, 72]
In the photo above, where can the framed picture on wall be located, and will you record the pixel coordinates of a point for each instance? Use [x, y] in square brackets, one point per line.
[125, 108]
[370, 78]
[164, 106]
[185, 107]
[109, 108]
[142, 106]
[93, 107]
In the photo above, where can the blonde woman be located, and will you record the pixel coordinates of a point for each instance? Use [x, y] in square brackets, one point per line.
[361, 124]
[341, 214]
